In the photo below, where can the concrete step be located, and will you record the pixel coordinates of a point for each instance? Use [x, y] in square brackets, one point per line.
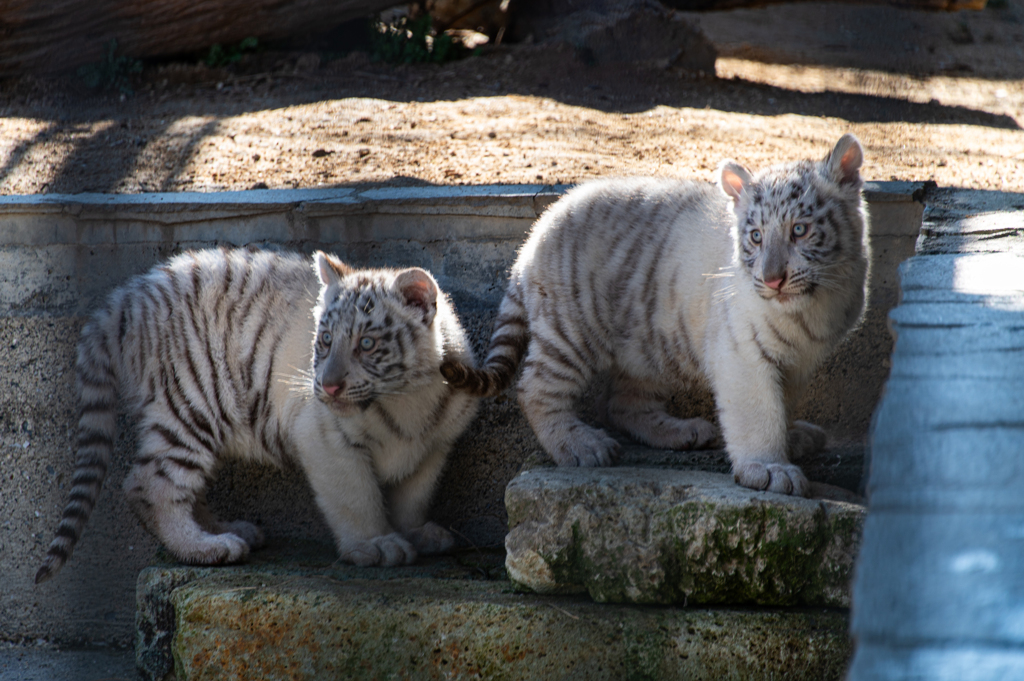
[289, 615]
[42, 661]
[658, 530]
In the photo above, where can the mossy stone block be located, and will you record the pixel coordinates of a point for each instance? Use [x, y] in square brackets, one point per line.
[155, 616]
[632, 535]
[294, 627]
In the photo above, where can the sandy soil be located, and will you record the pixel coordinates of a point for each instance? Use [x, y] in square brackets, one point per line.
[933, 96]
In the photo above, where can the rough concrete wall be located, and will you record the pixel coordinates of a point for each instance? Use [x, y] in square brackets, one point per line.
[60, 255]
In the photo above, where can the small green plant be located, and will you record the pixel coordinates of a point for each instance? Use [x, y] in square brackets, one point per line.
[224, 56]
[112, 72]
[413, 42]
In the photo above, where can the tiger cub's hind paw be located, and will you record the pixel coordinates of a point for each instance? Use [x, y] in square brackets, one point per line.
[384, 551]
[250, 534]
[805, 439]
[430, 539]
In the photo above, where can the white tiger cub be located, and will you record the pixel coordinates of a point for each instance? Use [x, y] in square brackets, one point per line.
[233, 353]
[661, 282]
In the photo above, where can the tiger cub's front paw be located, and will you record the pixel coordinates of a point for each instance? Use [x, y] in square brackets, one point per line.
[211, 549]
[783, 478]
[587, 447]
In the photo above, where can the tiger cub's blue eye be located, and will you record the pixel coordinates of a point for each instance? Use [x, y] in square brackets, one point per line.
[799, 230]
[755, 236]
[366, 343]
[325, 338]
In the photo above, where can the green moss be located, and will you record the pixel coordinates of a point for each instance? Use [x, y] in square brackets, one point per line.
[758, 553]
[413, 42]
[317, 628]
[645, 652]
[113, 72]
[743, 539]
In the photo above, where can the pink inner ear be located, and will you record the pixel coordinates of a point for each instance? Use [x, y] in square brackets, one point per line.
[850, 162]
[732, 183]
[417, 293]
[418, 289]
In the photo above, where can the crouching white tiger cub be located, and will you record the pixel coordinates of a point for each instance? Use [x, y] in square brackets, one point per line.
[661, 282]
[233, 353]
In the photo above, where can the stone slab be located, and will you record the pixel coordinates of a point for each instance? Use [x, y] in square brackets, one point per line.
[155, 615]
[305, 627]
[668, 536]
[953, 210]
[960, 221]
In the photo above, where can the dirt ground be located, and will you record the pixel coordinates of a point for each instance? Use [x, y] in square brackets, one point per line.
[933, 96]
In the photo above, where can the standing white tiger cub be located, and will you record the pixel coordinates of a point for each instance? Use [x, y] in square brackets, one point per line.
[661, 282]
[233, 353]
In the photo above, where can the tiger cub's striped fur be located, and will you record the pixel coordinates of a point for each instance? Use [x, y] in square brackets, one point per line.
[661, 282]
[262, 355]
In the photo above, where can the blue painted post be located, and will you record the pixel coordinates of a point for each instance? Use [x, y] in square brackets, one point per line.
[939, 588]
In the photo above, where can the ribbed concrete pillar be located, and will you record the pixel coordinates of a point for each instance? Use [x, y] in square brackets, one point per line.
[939, 587]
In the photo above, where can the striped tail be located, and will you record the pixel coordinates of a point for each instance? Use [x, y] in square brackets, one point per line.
[508, 346]
[96, 430]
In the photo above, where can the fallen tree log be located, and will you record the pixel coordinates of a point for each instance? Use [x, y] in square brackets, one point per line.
[56, 35]
[45, 36]
[939, 5]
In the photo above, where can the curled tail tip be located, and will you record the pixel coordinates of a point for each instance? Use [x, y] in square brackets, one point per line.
[47, 570]
[453, 372]
[460, 376]
[468, 379]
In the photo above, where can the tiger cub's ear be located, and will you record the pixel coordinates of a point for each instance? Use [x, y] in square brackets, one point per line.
[844, 161]
[418, 289]
[329, 269]
[733, 179]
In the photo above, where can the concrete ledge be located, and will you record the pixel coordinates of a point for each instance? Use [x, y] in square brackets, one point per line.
[331, 215]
